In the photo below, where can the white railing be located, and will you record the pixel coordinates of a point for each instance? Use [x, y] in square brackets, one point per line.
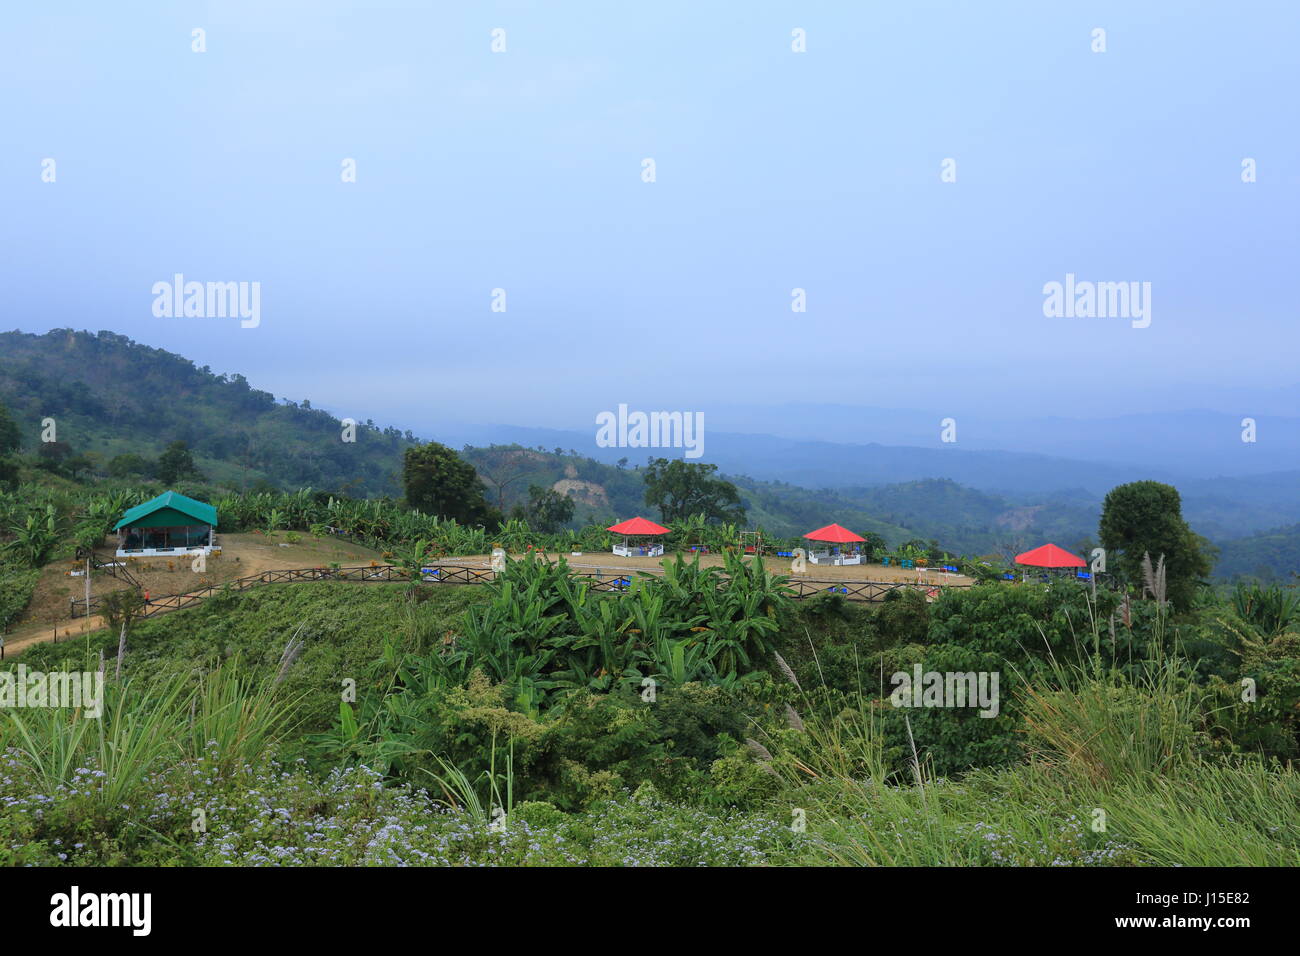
[835, 558]
[639, 550]
[162, 552]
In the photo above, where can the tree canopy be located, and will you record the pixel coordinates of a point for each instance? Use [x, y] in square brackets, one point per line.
[440, 482]
[176, 463]
[1145, 517]
[548, 510]
[680, 489]
[10, 435]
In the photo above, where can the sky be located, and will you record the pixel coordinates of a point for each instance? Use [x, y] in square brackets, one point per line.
[774, 170]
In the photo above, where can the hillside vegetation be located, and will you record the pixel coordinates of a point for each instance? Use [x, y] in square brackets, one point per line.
[532, 722]
[113, 397]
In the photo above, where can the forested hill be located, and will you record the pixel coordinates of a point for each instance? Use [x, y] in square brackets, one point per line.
[1269, 555]
[110, 396]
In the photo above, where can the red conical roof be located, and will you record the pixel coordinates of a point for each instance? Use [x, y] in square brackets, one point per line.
[833, 533]
[1050, 556]
[638, 525]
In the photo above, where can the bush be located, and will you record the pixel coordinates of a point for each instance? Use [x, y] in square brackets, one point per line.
[16, 589]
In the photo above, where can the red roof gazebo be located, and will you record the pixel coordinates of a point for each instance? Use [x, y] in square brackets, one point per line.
[638, 527]
[836, 535]
[1050, 556]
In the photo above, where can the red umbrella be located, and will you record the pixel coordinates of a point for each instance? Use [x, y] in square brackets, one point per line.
[833, 533]
[1050, 556]
[638, 525]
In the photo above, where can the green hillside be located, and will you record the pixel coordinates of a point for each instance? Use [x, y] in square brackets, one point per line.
[1270, 556]
[110, 396]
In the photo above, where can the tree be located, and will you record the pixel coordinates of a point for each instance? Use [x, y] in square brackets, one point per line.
[501, 468]
[1146, 517]
[51, 454]
[548, 510]
[120, 608]
[875, 544]
[440, 482]
[11, 437]
[680, 489]
[127, 465]
[176, 463]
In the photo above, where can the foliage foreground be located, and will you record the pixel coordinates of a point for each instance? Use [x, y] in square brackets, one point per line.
[698, 719]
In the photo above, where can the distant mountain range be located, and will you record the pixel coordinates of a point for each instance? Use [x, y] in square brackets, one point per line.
[1219, 508]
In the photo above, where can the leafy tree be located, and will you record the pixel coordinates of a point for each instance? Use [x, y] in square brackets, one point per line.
[680, 489]
[121, 608]
[10, 441]
[51, 454]
[11, 437]
[548, 510]
[176, 463]
[1146, 517]
[876, 544]
[440, 482]
[129, 465]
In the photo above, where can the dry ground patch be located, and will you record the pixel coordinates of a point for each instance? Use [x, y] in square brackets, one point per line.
[241, 555]
[602, 560]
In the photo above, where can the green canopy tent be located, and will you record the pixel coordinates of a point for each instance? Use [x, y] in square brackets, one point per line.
[168, 524]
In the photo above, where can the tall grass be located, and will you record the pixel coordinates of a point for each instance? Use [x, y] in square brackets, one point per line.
[235, 718]
[1116, 776]
[136, 729]
[1109, 729]
[224, 717]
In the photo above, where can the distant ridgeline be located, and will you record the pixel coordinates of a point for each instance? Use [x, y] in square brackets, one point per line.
[110, 396]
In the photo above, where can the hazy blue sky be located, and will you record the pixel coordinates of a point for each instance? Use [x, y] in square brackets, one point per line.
[775, 170]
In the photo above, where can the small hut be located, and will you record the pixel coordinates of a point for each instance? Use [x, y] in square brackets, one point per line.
[168, 524]
[844, 546]
[636, 533]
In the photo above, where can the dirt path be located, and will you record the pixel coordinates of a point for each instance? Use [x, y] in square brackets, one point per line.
[23, 638]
